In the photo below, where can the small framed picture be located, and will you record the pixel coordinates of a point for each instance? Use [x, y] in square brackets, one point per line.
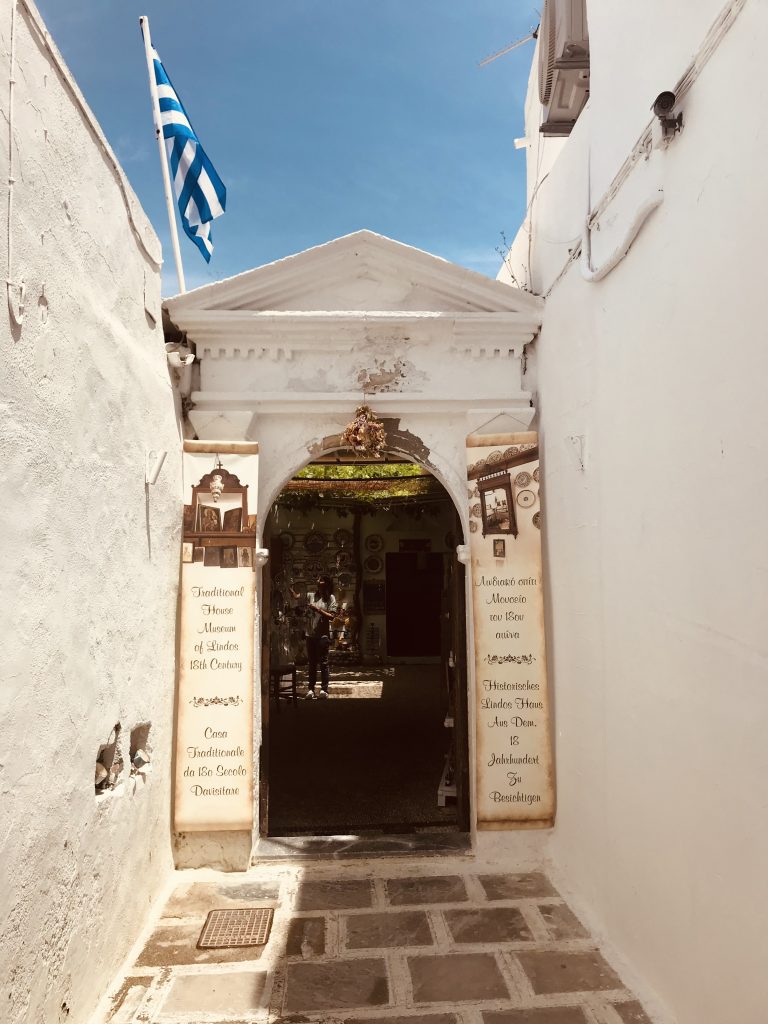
[497, 507]
[233, 519]
[212, 556]
[250, 526]
[229, 558]
[210, 519]
[186, 551]
[189, 518]
[245, 558]
[198, 555]
[499, 549]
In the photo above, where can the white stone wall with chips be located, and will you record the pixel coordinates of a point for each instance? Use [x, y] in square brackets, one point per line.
[89, 568]
[650, 385]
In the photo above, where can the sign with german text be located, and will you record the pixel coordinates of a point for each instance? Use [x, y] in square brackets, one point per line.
[515, 786]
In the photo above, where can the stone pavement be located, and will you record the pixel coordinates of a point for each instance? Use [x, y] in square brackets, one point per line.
[430, 941]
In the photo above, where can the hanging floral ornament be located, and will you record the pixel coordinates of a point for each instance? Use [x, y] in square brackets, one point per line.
[365, 434]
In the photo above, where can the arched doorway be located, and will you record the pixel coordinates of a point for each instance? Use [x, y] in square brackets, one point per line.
[386, 752]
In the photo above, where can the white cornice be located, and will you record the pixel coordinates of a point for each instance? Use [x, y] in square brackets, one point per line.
[228, 334]
[385, 404]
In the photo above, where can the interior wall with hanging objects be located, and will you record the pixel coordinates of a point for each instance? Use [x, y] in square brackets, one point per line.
[91, 553]
[305, 543]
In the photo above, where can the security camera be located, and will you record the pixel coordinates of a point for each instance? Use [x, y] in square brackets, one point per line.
[664, 104]
[662, 107]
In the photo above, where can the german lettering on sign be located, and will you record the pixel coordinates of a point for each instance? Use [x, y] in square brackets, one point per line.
[214, 730]
[515, 785]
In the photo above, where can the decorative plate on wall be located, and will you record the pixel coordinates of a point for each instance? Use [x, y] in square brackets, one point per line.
[537, 520]
[374, 543]
[536, 474]
[287, 540]
[526, 498]
[345, 581]
[523, 479]
[313, 567]
[373, 564]
[315, 542]
[343, 558]
[343, 538]
[476, 511]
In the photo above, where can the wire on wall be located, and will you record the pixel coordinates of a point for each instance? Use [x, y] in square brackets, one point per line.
[15, 301]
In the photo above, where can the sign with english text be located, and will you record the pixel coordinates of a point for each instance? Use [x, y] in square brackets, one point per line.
[514, 777]
[214, 727]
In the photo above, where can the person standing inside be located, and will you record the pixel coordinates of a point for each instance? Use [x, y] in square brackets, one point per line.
[321, 611]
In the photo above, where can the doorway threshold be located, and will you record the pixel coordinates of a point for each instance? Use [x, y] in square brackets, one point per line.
[418, 844]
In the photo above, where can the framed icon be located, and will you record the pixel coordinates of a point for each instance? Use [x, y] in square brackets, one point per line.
[233, 520]
[209, 519]
[229, 558]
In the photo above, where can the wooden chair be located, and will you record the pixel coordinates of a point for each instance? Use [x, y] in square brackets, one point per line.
[283, 678]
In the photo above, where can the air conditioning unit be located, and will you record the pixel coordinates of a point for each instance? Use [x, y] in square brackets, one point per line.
[563, 64]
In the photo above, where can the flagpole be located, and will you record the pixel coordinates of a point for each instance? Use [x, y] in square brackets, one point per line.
[144, 23]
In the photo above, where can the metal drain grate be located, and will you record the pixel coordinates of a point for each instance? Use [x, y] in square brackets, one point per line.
[226, 928]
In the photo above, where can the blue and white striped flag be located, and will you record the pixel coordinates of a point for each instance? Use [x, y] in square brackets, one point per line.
[200, 192]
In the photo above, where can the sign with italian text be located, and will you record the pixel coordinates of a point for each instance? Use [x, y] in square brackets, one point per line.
[214, 727]
[515, 785]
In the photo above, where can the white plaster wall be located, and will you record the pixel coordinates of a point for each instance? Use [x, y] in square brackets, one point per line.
[89, 562]
[656, 553]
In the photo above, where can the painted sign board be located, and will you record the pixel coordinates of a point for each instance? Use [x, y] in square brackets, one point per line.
[214, 726]
[515, 785]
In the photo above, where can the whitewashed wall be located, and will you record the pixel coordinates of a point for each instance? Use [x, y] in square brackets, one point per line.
[656, 552]
[89, 564]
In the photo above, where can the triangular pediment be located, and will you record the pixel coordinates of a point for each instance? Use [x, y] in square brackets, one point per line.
[358, 272]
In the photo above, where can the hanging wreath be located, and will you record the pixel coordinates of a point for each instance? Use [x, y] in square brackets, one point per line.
[365, 434]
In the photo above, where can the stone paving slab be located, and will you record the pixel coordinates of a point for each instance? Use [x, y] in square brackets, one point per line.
[332, 895]
[562, 922]
[388, 930]
[420, 941]
[197, 898]
[306, 937]
[540, 1015]
[494, 924]
[215, 993]
[550, 972]
[336, 985]
[632, 1013]
[176, 944]
[438, 889]
[516, 887]
[459, 978]
[419, 1018]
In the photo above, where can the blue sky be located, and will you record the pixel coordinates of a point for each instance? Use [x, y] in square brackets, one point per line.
[321, 116]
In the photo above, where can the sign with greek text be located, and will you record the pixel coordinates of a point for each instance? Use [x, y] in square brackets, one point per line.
[214, 728]
[515, 786]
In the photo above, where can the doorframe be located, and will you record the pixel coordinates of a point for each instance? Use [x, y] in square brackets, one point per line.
[466, 808]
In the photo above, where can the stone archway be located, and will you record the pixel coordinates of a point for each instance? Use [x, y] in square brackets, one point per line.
[450, 672]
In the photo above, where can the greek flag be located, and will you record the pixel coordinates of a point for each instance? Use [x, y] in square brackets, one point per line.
[200, 192]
